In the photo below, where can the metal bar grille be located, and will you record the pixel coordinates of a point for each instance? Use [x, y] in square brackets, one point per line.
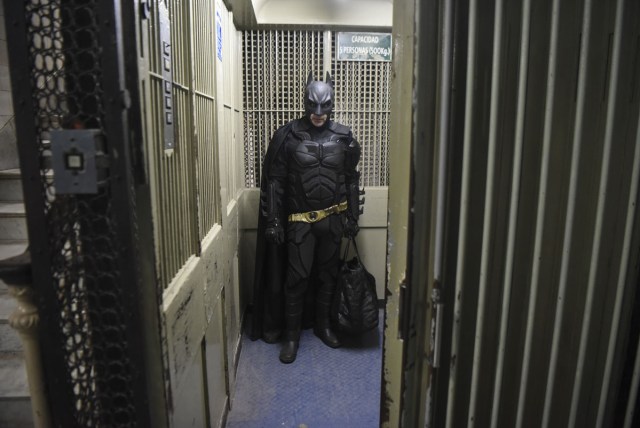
[487, 226]
[204, 115]
[597, 247]
[363, 103]
[276, 65]
[513, 208]
[185, 183]
[548, 232]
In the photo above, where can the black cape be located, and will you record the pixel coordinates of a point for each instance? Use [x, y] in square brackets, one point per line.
[268, 294]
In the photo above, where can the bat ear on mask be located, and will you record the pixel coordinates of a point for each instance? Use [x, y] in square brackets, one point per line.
[328, 80]
[310, 78]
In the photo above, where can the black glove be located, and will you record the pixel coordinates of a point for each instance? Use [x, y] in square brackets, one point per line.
[351, 228]
[274, 232]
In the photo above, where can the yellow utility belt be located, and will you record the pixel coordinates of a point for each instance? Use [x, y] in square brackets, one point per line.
[313, 216]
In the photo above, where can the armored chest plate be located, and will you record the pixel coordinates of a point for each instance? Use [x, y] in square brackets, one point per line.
[316, 171]
[329, 154]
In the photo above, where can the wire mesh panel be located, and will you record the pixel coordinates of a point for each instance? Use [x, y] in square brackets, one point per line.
[77, 256]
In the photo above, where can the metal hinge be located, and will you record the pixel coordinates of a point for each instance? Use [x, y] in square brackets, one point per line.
[404, 311]
[436, 331]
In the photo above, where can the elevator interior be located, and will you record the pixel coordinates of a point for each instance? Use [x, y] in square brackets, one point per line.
[500, 166]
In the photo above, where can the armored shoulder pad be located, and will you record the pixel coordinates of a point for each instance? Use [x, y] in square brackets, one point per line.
[282, 131]
[353, 153]
[339, 128]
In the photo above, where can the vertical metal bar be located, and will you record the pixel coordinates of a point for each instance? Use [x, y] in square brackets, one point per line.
[367, 117]
[190, 110]
[488, 211]
[464, 206]
[293, 77]
[571, 207]
[277, 73]
[602, 196]
[377, 120]
[371, 108]
[297, 65]
[513, 209]
[326, 53]
[633, 392]
[256, 98]
[541, 209]
[622, 277]
[443, 149]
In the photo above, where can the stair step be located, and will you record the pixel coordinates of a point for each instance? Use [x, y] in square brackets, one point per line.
[16, 412]
[13, 372]
[13, 224]
[7, 306]
[10, 344]
[8, 249]
[11, 185]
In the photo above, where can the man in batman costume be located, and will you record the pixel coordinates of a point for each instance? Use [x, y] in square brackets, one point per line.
[309, 199]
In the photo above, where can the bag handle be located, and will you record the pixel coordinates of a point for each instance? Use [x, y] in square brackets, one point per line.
[346, 250]
[356, 247]
[347, 247]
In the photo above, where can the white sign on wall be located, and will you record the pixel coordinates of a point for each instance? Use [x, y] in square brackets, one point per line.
[364, 47]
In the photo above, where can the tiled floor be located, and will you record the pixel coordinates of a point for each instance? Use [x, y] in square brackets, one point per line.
[323, 388]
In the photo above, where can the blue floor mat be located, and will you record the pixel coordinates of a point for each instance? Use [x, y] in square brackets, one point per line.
[323, 388]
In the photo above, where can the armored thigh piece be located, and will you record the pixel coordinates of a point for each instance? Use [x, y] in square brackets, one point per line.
[300, 250]
[329, 235]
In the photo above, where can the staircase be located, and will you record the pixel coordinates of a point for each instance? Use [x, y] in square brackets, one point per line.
[15, 404]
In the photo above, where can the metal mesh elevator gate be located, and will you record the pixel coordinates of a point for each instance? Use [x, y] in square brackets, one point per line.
[276, 66]
[72, 103]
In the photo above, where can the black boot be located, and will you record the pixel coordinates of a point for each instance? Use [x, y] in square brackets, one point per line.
[293, 321]
[322, 327]
[289, 351]
[327, 336]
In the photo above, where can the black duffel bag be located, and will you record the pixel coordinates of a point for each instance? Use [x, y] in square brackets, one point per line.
[355, 303]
